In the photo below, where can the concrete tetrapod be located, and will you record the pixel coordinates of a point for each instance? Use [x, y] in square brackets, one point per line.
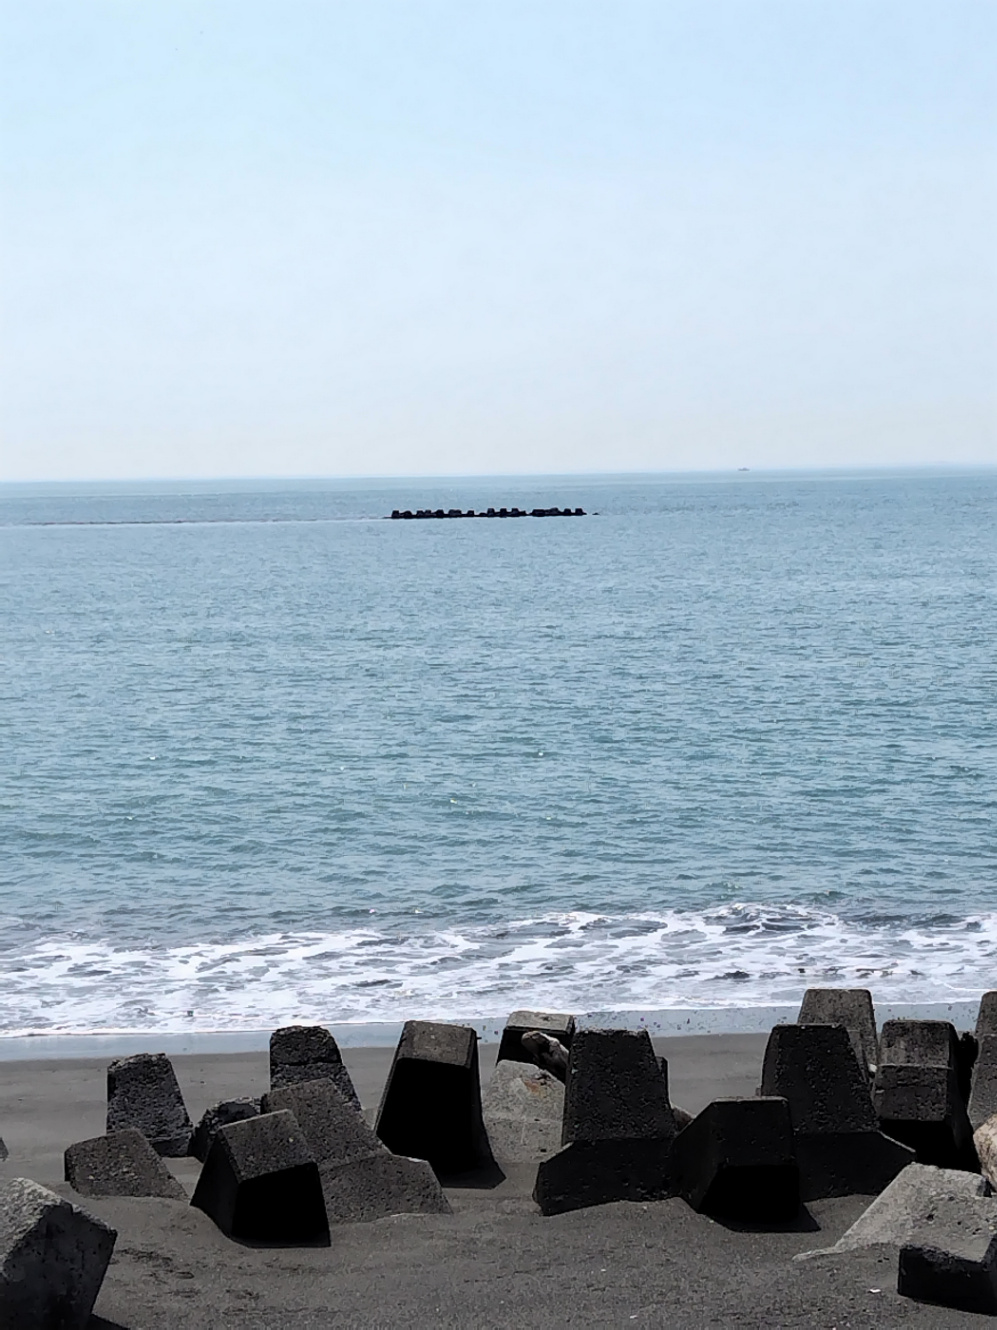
[260, 1183]
[618, 1127]
[219, 1115]
[985, 1141]
[143, 1092]
[850, 1007]
[983, 1095]
[839, 1147]
[431, 1104]
[308, 1053]
[916, 1092]
[361, 1179]
[986, 1017]
[952, 1260]
[919, 1196]
[53, 1256]
[122, 1163]
[523, 1108]
[736, 1160]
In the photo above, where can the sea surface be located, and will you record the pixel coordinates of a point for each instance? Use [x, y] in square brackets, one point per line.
[265, 756]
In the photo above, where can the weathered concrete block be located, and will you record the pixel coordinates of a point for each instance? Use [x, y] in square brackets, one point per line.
[361, 1179]
[953, 1263]
[918, 1043]
[379, 1185]
[260, 1182]
[220, 1115]
[336, 1133]
[920, 1106]
[53, 1256]
[123, 1163]
[985, 1141]
[618, 1125]
[814, 1068]
[986, 1019]
[736, 1160]
[557, 1024]
[142, 1092]
[615, 1089]
[850, 1007]
[431, 1104]
[916, 1092]
[915, 1198]
[585, 1173]
[839, 1147]
[523, 1108]
[983, 1094]
[308, 1053]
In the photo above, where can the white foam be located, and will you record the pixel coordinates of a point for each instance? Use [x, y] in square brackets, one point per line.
[735, 956]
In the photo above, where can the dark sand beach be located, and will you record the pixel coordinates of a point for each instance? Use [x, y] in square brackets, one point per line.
[495, 1262]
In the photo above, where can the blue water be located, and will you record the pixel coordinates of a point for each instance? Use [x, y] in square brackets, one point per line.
[267, 756]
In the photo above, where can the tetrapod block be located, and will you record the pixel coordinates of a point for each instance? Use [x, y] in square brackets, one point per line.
[736, 1160]
[919, 1043]
[336, 1133]
[557, 1024]
[378, 1185]
[260, 1182]
[850, 1007]
[618, 1125]
[983, 1095]
[308, 1053]
[920, 1106]
[53, 1256]
[954, 1263]
[920, 1195]
[839, 1147]
[220, 1115]
[523, 1108]
[986, 1019]
[431, 1105]
[930, 1044]
[361, 1179]
[585, 1173]
[142, 1092]
[616, 1089]
[122, 1163]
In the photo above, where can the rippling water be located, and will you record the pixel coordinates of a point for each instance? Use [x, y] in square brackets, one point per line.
[266, 759]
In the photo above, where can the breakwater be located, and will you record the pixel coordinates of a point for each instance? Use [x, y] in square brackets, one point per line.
[422, 513]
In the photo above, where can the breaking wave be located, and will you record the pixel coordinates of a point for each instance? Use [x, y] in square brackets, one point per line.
[736, 955]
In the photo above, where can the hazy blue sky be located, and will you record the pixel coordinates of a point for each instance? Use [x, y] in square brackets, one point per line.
[325, 238]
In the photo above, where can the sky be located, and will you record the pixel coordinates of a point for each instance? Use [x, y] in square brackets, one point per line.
[416, 237]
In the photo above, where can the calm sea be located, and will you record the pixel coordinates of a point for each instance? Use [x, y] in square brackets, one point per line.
[266, 756]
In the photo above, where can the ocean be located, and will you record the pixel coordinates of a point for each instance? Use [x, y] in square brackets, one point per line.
[267, 757]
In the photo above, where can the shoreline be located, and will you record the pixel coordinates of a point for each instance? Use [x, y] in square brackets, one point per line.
[663, 1023]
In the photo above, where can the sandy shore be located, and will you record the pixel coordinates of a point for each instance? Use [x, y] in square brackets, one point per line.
[495, 1262]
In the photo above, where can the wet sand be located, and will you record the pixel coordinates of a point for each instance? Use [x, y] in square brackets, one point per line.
[495, 1262]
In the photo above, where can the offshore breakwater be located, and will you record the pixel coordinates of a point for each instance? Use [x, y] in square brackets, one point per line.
[407, 514]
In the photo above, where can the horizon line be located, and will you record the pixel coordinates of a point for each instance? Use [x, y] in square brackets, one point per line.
[472, 476]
